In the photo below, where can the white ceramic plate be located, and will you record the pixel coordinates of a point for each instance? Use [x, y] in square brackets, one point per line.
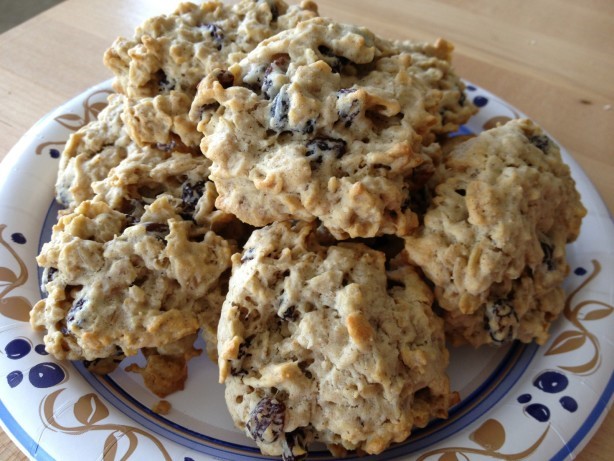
[518, 402]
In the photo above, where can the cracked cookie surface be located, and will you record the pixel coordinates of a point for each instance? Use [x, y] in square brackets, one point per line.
[323, 342]
[174, 52]
[327, 121]
[116, 285]
[493, 241]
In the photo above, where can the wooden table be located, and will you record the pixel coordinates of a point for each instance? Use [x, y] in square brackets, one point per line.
[553, 59]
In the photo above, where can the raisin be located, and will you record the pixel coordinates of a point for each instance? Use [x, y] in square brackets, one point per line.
[191, 194]
[548, 255]
[243, 347]
[160, 230]
[290, 314]
[280, 106]
[279, 65]
[540, 141]
[318, 147]
[266, 420]
[309, 127]
[348, 114]
[501, 321]
[304, 365]
[248, 255]
[216, 33]
[335, 62]
[225, 78]
[73, 311]
[169, 147]
[164, 86]
[347, 108]
[254, 78]
[294, 446]
[49, 274]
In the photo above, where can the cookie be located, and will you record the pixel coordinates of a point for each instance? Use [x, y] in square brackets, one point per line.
[493, 240]
[324, 121]
[166, 369]
[322, 342]
[174, 52]
[90, 153]
[435, 59]
[116, 285]
[161, 121]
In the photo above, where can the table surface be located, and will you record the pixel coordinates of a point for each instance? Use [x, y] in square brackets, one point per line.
[552, 59]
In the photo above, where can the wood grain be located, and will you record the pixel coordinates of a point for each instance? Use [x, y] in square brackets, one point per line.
[552, 59]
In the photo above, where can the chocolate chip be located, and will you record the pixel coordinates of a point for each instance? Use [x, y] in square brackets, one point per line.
[216, 33]
[501, 321]
[541, 142]
[461, 192]
[225, 78]
[266, 420]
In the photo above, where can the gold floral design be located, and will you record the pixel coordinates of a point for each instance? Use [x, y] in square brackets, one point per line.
[491, 437]
[73, 122]
[90, 411]
[13, 307]
[571, 340]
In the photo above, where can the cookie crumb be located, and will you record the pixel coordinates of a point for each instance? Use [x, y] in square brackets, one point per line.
[162, 407]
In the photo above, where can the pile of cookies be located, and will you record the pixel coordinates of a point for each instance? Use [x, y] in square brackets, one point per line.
[292, 188]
